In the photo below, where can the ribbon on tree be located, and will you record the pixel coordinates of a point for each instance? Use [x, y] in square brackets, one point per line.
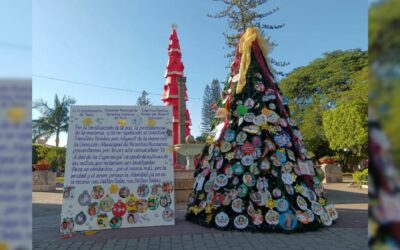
[245, 44]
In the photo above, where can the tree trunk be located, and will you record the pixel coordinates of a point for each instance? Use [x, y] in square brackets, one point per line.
[57, 138]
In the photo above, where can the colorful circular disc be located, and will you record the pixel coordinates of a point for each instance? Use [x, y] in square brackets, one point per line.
[168, 214]
[249, 179]
[289, 189]
[247, 160]
[287, 221]
[241, 222]
[257, 219]
[259, 86]
[272, 217]
[225, 146]
[282, 205]
[235, 180]
[221, 180]
[317, 208]
[247, 148]
[252, 129]
[326, 219]
[249, 117]
[221, 219]
[249, 103]
[241, 137]
[276, 192]
[242, 190]
[229, 135]
[116, 222]
[80, 218]
[301, 203]
[207, 186]
[310, 215]
[237, 205]
[287, 178]
[238, 169]
[84, 198]
[259, 120]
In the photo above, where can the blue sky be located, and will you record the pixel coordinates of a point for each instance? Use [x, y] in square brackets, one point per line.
[123, 44]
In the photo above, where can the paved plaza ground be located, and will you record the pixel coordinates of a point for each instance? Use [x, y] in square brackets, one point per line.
[349, 232]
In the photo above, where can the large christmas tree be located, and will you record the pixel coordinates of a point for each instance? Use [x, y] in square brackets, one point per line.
[255, 173]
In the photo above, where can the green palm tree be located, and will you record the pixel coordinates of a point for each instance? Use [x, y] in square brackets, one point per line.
[53, 120]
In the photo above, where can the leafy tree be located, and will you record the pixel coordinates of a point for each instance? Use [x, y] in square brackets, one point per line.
[143, 100]
[210, 99]
[384, 51]
[338, 77]
[53, 120]
[242, 14]
[346, 128]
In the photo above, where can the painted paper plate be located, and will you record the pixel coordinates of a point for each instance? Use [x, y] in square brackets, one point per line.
[287, 221]
[276, 192]
[115, 222]
[249, 103]
[132, 218]
[282, 205]
[283, 123]
[207, 186]
[247, 160]
[249, 117]
[302, 217]
[165, 200]
[257, 219]
[235, 181]
[262, 184]
[331, 210]
[124, 192]
[289, 189]
[143, 190]
[259, 120]
[229, 135]
[317, 208]
[228, 170]
[254, 169]
[250, 209]
[249, 179]
[106, 203]
[272, 217]
[119, 209]
[221, 180]
[281, 140]
[237, 205]
[310, 215]
[242, 190]
[272, 106]
[287, 167]
[221, 219]
[281, 155]
[252, 129]
[97, 192]
[326, 219]
[240, 138]
[247, 148]
[93, 209]
[234, 194]
[142, 206]
[153, 202]
[102, 221]
[301, 202]
[80, 218]
[225, 146]
[256, 198]
[238, 169]
[168, 214]
[218, 162]
[311, 195]
[273, 118]
[290, 154]
[265, 165]
[241, 222]
[84, 198]
[287, 178]
[259, 86]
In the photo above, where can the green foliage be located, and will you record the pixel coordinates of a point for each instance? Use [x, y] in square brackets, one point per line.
[360, 177]
[143, 99]
[339, 78]
[346, 126]
[56, 156]
[384, 51]
[53, 120]
[242, 14]
[211, 97]
[202, 138]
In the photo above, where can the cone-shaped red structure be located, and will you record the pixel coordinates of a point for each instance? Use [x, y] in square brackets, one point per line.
[170, 95]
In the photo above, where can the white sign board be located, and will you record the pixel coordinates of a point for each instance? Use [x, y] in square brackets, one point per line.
[119, 170]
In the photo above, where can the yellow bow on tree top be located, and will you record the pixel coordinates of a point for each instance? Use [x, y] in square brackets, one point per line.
[251, 35]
